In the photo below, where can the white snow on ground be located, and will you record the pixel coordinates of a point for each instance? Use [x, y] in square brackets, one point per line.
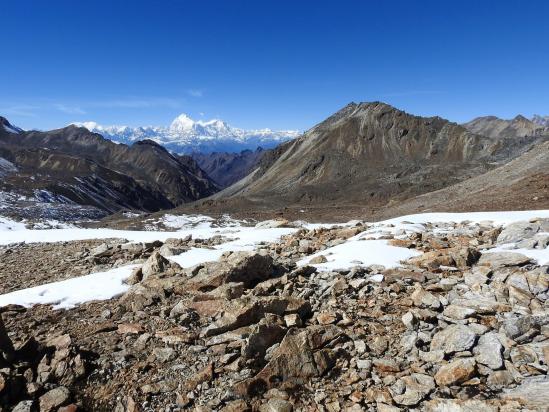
[367, 248]
[71, 292]
[105, 285]
[195, 256]
[7, 225]
[245, 239]
[364, 249]
[356, 252]
[498, 218]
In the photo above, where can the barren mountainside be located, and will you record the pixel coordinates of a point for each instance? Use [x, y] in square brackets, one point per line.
[227, 168]
[76, 165]
[519, 126]
[374, 153]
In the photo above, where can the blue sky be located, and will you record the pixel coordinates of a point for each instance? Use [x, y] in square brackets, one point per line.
[278, 64]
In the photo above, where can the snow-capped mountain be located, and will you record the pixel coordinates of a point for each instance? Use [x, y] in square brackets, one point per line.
[185, 135]
[8, 127]
[541, 120]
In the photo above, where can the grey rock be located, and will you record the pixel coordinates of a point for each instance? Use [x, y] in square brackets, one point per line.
[454, 338]
[276, 405]
[164, 354]
[410, 390]
[498, 260]
[458, 312]
[488, 351]
[24, 406]
[53, 399]
[532, 393]
[516, 325]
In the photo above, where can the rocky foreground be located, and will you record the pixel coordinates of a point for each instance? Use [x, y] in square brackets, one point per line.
[456, 328]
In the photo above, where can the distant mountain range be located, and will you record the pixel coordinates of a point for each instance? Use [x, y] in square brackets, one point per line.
[541, 120]
[366, 159]
[519, 126]
[185, 135]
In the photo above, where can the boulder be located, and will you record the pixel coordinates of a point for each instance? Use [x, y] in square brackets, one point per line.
[498, 260]
[410, 390]
[53, 399]
[456, 371]
[249, 268]
[157, 264]
[263, 335]
[424, 299]
[301, 355]
[532, 393]
[519, 231]
[245, 311]
[454, 338]
[489, 350]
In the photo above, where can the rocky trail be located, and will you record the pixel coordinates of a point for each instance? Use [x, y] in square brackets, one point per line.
[462, 324]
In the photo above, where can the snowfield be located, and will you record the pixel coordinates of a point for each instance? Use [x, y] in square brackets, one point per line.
[365, 249]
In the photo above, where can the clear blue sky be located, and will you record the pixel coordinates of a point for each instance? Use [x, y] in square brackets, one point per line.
[262, 63]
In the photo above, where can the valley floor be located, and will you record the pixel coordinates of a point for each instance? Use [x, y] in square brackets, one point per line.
[436, 311]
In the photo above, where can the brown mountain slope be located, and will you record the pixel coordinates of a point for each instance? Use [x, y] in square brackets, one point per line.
[83, 167]
[369, 152]
[227, 168]
[360, 161]
[521, 184]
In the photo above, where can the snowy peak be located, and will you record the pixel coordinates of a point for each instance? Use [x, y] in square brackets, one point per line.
[182, 123]
[541, 120]
[8, 127]
[185, 135]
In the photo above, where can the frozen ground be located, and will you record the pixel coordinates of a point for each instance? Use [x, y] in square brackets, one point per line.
[367, 248]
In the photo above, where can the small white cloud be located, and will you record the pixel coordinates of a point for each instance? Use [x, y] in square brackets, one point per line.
[195, 92]
[69, 109]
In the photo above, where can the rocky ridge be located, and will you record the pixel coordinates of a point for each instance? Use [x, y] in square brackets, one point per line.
[459, 327]
[72, 166]
[365, 158]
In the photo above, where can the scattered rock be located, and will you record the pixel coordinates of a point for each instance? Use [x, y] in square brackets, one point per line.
[455, 372]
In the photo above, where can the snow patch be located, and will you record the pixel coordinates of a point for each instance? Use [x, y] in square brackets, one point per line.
[497, 218]
[8, 225]
[68, 293]
[363, 253]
